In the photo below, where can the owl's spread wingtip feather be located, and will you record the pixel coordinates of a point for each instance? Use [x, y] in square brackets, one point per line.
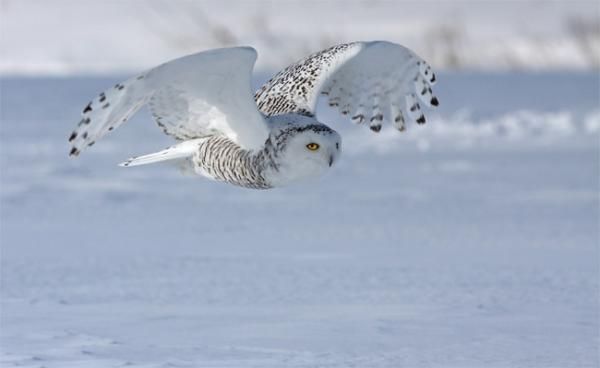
[372, 82]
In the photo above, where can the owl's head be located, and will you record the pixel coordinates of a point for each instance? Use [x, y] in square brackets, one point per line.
[303, 147]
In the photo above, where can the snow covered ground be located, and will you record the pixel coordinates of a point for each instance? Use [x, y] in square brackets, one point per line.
[471, 241]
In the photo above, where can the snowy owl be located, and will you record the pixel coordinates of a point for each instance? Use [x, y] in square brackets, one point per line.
[271, 138]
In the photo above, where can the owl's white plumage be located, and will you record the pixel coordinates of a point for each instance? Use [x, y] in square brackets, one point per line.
[205, 101]
[371, 82]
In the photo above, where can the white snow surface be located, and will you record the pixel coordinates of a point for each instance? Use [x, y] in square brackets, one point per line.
[66, 37]
[471, 241]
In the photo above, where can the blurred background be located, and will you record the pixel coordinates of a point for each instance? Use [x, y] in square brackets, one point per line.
[66, 37]
[470, 241]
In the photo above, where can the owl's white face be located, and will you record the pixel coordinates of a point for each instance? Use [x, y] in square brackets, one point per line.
[305, 151]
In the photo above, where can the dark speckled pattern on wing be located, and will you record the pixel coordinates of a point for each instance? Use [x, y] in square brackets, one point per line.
[369, 82]
[289, 90]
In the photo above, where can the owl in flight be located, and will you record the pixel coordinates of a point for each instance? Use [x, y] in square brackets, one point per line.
[270, 138]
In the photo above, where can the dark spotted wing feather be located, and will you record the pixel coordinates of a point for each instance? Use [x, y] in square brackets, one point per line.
[370, 82]
[107, 112]
[195, 96]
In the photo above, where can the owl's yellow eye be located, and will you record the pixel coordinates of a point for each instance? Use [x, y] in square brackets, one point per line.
[312, 146]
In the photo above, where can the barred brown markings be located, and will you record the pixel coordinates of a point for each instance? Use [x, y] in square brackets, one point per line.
[377, 117]
[85, 121]
[399, 118]
[299, 77]
[218, 162]
[359, 117]
[375, 124]
[229, 157]
[226, 161]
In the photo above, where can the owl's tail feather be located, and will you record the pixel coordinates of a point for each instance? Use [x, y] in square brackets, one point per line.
[108, 110]
[182, 150]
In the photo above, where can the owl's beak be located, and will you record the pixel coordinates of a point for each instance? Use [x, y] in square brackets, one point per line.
[330, 160]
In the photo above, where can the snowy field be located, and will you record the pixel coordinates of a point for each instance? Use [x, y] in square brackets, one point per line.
[471, 241]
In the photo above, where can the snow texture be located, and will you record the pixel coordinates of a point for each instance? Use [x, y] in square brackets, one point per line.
[469, 241]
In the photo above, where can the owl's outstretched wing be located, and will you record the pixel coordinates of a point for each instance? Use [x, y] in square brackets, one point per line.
[369, 81]
[203, 94]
